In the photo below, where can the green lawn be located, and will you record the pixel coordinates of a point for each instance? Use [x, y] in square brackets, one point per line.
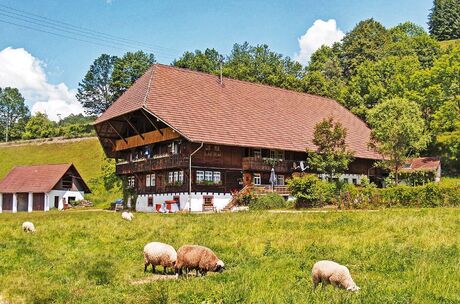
[86, 154]
[395, 256]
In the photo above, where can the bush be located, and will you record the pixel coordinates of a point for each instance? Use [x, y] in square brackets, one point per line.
[269, 201]
[310, 191]
[427, 196]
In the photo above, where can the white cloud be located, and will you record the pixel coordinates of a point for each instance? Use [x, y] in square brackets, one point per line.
[320, 33]
[21, 70]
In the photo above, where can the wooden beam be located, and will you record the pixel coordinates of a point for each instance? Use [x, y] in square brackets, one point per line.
[149, 138]
[117, 132]
[133, 127]
[151, 122]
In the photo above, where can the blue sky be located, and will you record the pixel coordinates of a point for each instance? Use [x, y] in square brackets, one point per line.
[173, 27]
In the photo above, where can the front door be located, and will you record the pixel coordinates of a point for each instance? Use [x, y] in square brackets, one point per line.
[56, 201]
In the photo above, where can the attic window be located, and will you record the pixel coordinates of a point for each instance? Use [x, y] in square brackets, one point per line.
[67, 182]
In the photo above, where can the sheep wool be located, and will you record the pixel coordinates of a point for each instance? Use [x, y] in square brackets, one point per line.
[28, 227]
[329, 272]
[199, 258]
[127, 216]
[156, 253]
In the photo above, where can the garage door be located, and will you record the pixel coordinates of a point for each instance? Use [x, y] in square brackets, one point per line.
[39, 201]
[7, 201]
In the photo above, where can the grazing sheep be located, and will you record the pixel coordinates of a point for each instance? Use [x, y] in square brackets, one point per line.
[196, 257]
[157, 253]
[28, 227]
[127, 216]
[329, 272]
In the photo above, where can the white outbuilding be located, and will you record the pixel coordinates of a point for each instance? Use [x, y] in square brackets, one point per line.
[41, 188]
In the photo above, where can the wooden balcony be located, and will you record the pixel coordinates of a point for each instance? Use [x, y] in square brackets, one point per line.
[265, 189]
[152, 164]
[258, 164]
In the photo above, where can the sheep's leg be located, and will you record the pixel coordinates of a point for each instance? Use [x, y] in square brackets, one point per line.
[145, 267]
[196, 272]
[153, 268]
[164, 269]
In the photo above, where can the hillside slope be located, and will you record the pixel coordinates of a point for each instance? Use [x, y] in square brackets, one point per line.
[85, 154]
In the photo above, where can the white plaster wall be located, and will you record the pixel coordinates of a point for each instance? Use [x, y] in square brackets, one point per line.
[220, 201]
[79, 195]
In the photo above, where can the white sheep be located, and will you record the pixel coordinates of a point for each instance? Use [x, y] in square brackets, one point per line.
[127, 216]
[28, 227]
[156, 253]
[329, 272]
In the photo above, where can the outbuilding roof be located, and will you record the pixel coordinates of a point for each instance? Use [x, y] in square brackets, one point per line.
[236, 113]
[38, 178]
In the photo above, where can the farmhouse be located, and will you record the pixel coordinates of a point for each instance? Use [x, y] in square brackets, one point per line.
[41, 187]
[194, 138]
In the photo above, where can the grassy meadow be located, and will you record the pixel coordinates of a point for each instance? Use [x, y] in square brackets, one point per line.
[394, 255]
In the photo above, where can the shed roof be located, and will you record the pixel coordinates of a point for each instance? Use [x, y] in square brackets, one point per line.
[37, 178]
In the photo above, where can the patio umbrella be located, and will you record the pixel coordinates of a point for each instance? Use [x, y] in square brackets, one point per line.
[273, 178]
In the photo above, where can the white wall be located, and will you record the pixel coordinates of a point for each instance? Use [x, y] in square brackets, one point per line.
[79, 195]
[220, 200]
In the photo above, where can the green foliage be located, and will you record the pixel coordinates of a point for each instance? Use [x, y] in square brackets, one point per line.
[428, 196]
[260, 64]
[13, 113]
[398, 131]
[331, 156]
[128, 69]
[444, 19]
[365, 42]
[269, 201]
[95, 91]
[39, 126]
[310, 191]
[207, 61]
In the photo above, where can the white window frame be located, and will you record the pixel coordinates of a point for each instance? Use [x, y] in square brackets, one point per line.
[277, 154]
[171, 177]
[208, 176]
[280, 180]
[131, 182]
[148, 180]
[257, 179]
[199, 176]
[216, 177]
[180, 177]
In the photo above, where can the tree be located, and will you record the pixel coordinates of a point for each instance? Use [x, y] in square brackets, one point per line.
[39, 126]
[12, 109]
[207, 61]
[260, 64]
[128, 69]
[444, 19]
[332, 156]
[95, 91]
[364, 42]
[398, 132]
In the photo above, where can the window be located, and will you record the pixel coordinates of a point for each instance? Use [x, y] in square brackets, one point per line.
[208, 200]
[280, 180]
[150, 180]
[199, 176]
[277, 154]
[257, 179]
[174, 147]
[176, 177]
[216, 177]
[257, 153]
[67, 182]
[355, 181]
[131, 181]
[208, 176]
[150, 201]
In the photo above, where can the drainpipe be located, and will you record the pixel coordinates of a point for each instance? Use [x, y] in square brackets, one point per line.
[190, 177]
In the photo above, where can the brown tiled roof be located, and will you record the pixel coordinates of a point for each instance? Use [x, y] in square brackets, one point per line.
[422, 163]
[39, 178]
[237, 113]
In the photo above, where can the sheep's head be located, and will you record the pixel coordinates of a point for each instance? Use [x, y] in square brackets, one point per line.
[220, 266]
[353, 288]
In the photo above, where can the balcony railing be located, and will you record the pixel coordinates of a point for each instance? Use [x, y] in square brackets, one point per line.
[151, 164]
[262, 164]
